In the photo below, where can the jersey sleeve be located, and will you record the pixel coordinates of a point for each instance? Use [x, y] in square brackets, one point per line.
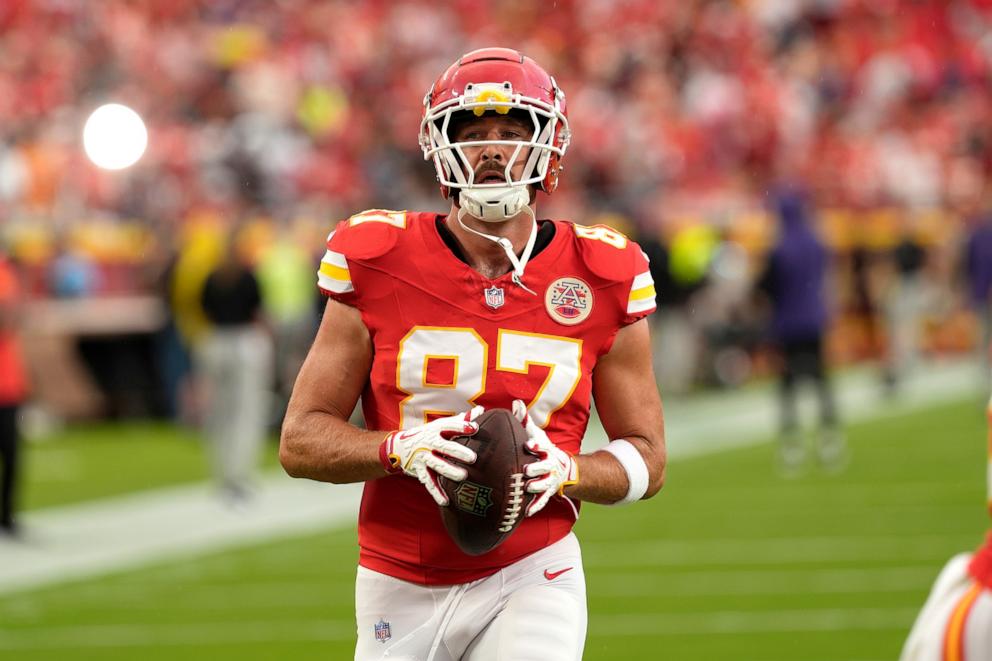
[641, 297]
[622, 263]
[334, 276]
[354, 244]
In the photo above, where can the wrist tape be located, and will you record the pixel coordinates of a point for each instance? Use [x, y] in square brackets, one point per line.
[635, 467]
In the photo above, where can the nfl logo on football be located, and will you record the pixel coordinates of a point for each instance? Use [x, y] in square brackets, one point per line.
[382, 633]
[494, 297]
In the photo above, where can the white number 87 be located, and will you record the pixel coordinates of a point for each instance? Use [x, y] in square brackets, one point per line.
[467, 355]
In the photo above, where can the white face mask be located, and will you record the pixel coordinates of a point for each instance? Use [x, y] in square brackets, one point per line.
[494, 205]
[495, 202]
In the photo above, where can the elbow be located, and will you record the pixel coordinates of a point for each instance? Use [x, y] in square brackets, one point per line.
[291, 457]
[289, 461]
[657, 473]
[655, 482]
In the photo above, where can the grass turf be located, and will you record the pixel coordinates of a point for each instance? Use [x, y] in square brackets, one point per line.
[101, 460]
[730, 562]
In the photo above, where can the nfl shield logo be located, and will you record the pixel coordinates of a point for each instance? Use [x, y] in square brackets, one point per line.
[494, 297]
[382, 633]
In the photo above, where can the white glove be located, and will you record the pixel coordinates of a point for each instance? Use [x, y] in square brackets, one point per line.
[556, 468]
[421, 451]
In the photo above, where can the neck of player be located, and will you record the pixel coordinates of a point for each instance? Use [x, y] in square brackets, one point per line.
[484, 255]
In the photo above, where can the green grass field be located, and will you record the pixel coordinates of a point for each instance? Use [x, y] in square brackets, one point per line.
[88, 462]
[729, 562]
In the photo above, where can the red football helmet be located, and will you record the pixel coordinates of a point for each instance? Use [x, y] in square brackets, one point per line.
[498, 80]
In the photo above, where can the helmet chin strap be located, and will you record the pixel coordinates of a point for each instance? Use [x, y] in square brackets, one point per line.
[507, 246]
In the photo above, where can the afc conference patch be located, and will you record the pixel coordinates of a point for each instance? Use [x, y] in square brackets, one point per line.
[568, 301]
[382, 633]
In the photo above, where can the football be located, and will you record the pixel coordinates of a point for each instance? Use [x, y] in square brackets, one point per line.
[485, 508]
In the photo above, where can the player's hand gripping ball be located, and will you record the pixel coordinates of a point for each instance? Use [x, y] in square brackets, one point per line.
[487, 506]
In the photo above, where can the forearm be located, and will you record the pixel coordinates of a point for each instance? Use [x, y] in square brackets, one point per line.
[321, 446]
[603, 480]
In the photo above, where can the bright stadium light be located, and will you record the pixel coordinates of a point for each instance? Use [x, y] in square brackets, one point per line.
[114, 137]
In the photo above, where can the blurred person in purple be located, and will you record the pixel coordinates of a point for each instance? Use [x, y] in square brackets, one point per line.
[13, 390]
[236, 364]
[794, 281]
[978, 274]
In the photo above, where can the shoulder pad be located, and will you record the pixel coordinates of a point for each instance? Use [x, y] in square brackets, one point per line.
[368, 234]
[607, 252]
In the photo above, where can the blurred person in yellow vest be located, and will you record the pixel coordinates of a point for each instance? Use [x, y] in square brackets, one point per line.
[680, 264]
[199, 250]
[13, 390]
[285, 273]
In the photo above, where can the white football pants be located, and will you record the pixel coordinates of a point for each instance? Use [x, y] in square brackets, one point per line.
[535, 609]
[956, 621]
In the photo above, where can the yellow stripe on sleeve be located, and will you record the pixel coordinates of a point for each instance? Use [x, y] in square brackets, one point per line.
[642, 293]
[335, 272]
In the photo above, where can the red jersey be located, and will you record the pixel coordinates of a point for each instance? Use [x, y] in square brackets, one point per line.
[446, 338]
[13, 380]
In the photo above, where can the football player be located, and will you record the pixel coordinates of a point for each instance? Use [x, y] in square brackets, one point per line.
[431, 318]
[956, 621]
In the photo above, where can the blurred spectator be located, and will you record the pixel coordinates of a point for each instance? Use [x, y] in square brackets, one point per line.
[794, 280]
[172, 357]
[863, 268]
[13, 389]
[676, 106]
[73, 274]
[258, 103]
[723, 314]
[681, 269]
[285, 275]
[236, 365]
[904, 305]
[978, 271]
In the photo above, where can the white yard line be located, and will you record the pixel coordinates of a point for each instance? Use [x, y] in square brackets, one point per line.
[79, 541]
[731, 622]
[636, 624]
[84, 540]
[769, 551]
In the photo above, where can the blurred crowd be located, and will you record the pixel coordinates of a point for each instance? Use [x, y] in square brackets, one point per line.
[278, 117]
[310, 108]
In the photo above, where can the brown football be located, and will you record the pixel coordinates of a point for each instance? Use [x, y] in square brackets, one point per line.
[489, 504]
